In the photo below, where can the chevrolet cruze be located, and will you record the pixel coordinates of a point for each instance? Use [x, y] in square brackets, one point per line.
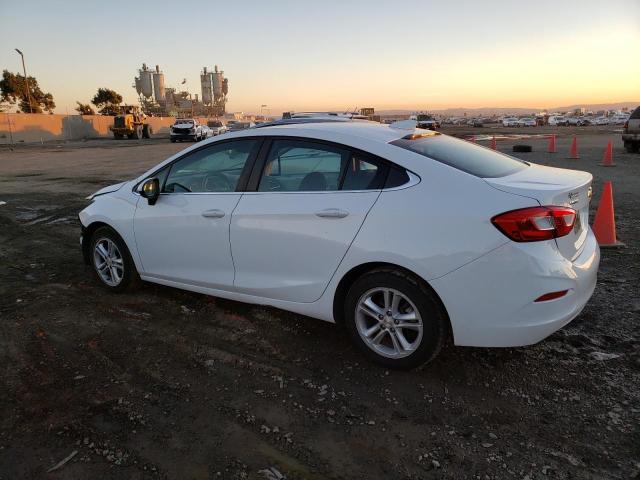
[407, 237]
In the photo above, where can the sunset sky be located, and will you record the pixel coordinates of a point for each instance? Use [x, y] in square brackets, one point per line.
[295, 55]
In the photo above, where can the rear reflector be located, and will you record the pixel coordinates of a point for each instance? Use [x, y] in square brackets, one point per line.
[536, 223]
[551, 296]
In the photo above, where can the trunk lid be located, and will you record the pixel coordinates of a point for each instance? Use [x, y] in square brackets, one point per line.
[554, 186]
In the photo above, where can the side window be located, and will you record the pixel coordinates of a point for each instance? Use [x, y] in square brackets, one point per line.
[397, 176]
[364, 173]
[213, 169]
[301, 166]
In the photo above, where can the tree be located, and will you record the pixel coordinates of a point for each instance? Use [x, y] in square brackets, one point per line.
[85, 109]
[107, 101]
[13, 89]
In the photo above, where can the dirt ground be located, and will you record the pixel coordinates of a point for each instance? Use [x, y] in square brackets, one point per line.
[170, 384]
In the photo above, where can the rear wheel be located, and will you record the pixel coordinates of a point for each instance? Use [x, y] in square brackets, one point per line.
[631, 147]
[173, 140]
[394, 319]
[111, 261]
[147, 131]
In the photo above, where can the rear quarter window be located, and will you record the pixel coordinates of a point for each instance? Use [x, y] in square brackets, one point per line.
[466, 156]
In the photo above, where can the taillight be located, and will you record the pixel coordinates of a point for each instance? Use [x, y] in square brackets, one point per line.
[626, 127]
[536, 223]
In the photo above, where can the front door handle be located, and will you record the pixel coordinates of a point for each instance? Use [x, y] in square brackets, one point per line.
[215, 213]
[332, 213]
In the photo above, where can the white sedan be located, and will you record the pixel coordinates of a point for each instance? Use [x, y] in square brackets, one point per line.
[405, 236]
[527, 122]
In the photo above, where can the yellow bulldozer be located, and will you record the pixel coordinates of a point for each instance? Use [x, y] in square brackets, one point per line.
[130, 123]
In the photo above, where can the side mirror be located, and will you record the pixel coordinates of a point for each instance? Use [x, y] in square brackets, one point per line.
[151, 190]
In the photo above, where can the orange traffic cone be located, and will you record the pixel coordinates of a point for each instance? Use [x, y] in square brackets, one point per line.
[552, 144]
[573, 154]
[493, 143]
[607, 159]
[604, 225]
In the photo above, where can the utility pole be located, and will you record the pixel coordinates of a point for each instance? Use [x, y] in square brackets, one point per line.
[26, 81]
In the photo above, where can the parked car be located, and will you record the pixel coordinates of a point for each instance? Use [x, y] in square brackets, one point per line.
[557, 120]
[306, 217]
[600, 121]
[217, 127]
[234, 127]
[631, 132]
[510, 122]
[187, 129]
[427, 122]
[618, 119]
[527, 122]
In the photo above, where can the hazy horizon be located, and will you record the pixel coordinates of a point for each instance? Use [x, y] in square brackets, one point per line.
[320, 56]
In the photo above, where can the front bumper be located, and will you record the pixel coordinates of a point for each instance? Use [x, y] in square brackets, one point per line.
[490, 301]
[183, 136]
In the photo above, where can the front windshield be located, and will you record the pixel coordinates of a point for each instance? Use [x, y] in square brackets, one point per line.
[183, 121]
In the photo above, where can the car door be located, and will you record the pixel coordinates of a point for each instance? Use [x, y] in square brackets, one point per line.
[290, 234]
[184, 236]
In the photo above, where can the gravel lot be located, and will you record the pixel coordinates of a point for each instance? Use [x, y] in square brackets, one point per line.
[169, 384]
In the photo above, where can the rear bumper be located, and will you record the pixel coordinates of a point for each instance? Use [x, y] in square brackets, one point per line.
[490, 301]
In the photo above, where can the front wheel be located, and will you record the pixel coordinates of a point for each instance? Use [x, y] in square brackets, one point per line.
[394, 319]
[111, 261]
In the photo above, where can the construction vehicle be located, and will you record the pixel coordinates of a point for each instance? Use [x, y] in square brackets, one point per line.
[130, 122]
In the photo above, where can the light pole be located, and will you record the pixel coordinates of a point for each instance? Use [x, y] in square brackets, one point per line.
[26, 81]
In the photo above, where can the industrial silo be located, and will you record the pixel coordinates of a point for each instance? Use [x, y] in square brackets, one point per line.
[207, 86]
[158, 85]
[218, 80]
[144, 83]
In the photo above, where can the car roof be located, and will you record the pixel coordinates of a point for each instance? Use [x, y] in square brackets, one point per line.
[330, 130]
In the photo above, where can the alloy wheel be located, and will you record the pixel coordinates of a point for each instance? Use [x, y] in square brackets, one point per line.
[108, 261]
[389, 322]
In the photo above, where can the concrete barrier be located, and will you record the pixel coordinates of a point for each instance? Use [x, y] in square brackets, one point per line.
[42, 127]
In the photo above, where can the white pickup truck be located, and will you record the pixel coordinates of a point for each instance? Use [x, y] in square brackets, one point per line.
[187, 129]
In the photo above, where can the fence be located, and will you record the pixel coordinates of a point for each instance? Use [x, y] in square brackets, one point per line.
[41, 127]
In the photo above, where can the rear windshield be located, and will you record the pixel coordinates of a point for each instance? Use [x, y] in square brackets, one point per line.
[466, 156]
[635, 115]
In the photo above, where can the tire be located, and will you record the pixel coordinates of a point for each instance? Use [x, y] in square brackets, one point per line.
[125, 278]
[147, 131]
[522, 148]
[631, 147]
[425, 343]
[173, 140]
[138, 132]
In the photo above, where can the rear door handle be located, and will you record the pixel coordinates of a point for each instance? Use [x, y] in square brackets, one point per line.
[215, 213]
[332, 213]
